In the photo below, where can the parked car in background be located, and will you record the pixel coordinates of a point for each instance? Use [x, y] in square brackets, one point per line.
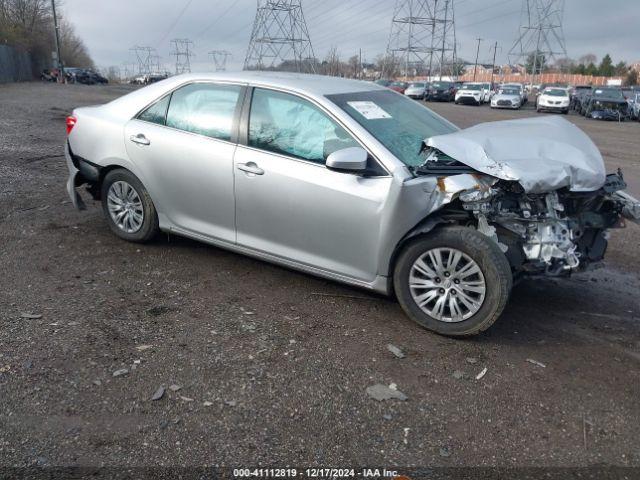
[416, 90]
[97, 78]
[49, 75]
[630, 95]
[471, 94]
[79, 75]
[156, 78]
[441, 91]
[507, 97]
[398, 86]
[521, 89]
[360, 185]
[634, 106]
[488, 87]
[578, 99]
[606, 103]
[383, 82]
[576, 93]
[553, 99]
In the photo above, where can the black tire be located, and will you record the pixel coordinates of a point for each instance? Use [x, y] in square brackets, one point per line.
[149, 228]
[482, 250]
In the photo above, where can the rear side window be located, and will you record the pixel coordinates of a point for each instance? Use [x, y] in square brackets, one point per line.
[292, 126]
[156, 113]
[205, 109]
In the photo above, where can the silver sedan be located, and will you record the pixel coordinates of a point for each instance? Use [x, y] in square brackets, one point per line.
[352, 182]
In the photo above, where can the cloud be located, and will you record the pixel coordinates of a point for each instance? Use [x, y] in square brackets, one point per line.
[111, 28]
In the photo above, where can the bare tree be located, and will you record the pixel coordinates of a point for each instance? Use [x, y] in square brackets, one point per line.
[73, 50]
[331, 63]
[587, 59]
[28, 24]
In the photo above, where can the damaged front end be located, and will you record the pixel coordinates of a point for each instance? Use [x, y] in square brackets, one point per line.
[551, 233]
[543, 212]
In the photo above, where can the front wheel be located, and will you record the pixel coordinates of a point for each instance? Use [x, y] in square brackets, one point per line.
[454, 281]
[128, 208]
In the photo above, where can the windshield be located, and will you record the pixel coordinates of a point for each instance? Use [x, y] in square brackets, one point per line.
[398, 84]
[400, 124]
[440, 84]
[416, 85]
[556, 92]
[509, 91]
[611, 93]
[471, 86]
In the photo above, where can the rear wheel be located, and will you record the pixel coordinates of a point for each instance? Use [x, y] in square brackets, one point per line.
[454, 281]
[128, 208]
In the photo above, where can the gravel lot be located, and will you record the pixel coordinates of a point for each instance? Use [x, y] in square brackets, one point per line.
[272, 365]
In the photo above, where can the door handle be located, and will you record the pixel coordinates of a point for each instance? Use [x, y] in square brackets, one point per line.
[250, 167]
[140, 139]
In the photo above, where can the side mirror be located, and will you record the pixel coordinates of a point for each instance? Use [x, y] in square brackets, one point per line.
[353, 159]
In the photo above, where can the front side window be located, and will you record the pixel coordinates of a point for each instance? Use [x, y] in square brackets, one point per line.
[400, 124]
[205, 109]
[289, 125]
[156, 113]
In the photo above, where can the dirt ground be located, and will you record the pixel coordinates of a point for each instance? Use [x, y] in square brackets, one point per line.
[272, 365]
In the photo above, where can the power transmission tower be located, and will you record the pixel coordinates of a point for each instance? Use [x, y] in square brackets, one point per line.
[182, 50]
[144, 59]
[280, 39]
[541, 35]
[219, 58]
[423, 36]
[155, 64]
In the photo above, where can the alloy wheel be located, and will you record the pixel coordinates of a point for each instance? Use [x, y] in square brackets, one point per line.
[125, 207]
[447, 284]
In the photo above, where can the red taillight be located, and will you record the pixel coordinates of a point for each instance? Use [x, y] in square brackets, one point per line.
[71, 122]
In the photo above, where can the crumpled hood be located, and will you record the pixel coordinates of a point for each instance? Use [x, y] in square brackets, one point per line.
[543, 154]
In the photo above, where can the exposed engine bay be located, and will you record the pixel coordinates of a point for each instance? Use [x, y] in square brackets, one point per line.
[552, 233]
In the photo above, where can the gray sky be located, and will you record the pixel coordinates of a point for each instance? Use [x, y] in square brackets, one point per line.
[110, 28]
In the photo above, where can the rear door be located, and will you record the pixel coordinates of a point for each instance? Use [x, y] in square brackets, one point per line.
[290, 205]
[183, 146]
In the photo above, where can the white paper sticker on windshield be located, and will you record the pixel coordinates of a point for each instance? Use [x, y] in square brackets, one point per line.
[369, 110]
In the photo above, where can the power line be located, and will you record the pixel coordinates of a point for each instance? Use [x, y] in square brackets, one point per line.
[175, 22]
[217, 19]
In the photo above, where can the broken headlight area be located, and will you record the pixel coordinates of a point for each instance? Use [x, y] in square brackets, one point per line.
[550, 233]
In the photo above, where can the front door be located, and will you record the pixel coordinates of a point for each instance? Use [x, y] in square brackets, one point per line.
[290, 205]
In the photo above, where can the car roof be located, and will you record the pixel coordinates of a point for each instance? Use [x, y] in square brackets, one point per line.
[316, 86]
[301, 82]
